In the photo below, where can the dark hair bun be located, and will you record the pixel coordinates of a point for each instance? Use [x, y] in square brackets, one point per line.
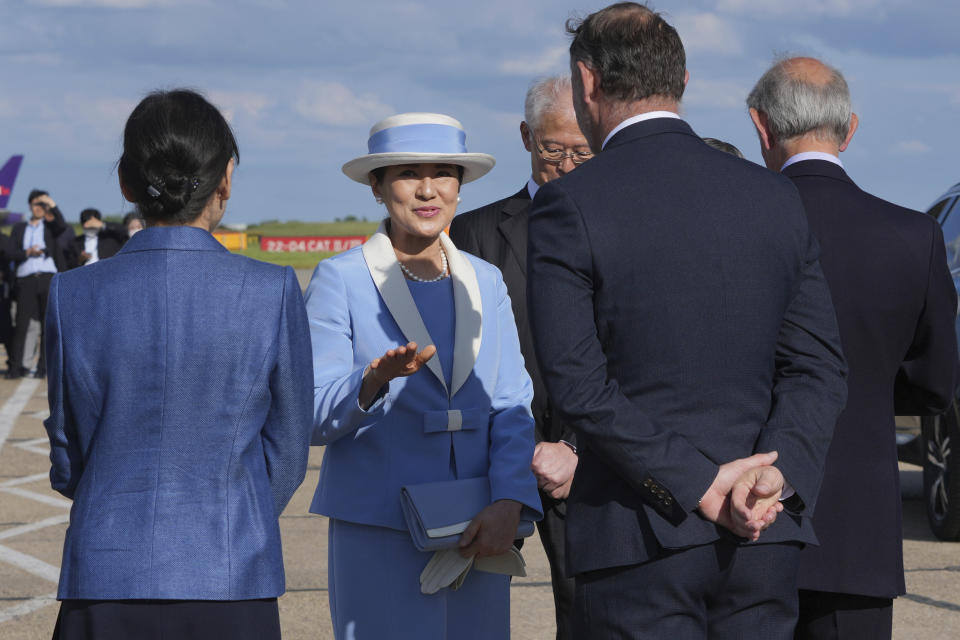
[176, 147]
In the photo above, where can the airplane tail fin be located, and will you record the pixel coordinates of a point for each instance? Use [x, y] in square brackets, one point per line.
[8, 174]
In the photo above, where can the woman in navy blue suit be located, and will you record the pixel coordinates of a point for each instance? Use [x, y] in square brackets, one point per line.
[180, 408]
[418, 378]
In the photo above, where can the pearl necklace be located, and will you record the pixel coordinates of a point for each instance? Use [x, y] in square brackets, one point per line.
[443, 270]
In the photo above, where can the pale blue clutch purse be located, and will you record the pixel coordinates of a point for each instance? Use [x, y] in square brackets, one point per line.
[438, 512]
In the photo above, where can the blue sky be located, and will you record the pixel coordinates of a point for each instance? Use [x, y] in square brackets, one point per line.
[303, 81]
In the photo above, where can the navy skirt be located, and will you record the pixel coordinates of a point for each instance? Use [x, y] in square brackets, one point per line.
[156, 619]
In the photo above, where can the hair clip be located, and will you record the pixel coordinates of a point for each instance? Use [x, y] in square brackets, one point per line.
[194, 183]
[152, 191]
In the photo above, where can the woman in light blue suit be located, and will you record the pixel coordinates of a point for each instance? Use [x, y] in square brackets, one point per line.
[180, 405]
[418, 378]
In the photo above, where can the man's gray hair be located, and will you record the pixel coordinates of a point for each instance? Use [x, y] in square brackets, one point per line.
[795, 106]
[545, 95]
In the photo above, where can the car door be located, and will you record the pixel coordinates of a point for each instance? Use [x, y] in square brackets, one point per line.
[947, 214]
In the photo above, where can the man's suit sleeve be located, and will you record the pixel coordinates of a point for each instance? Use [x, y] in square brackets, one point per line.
[53, 250]
[6, 248]
[17, 253]
[809, 386]
[286, 430]
[71, 254]
[560, 289]
[927, 379]
[65, 455]
[58, 225]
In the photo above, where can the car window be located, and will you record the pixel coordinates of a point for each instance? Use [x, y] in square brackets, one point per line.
[937, 208]
[950, 219]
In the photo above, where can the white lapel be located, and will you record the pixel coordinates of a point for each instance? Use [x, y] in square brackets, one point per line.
[469, 310]
[385, 270]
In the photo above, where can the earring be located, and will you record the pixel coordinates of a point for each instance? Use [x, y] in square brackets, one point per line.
[459, 199]
[379, 200]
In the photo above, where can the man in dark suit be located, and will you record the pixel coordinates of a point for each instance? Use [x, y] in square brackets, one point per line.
[6, 296]
[896, 318]
[498, 234]
[685, 331]
[36, 256]
[99, 240]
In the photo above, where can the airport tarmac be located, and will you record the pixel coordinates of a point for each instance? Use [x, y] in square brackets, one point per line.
[33, 519]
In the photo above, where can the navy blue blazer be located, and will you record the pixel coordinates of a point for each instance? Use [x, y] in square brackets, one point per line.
[896, 305]
[681, 321]
[180, 405]
[421, 429]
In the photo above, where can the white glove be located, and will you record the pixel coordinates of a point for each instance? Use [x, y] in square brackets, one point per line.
[509, 564]
[444, 569]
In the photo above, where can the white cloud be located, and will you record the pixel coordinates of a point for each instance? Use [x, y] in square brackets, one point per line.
[715, 94]
[331, 103]
[708, 33]
[109, 4]
[913, 147]
[104, 117]
[951, 91]
[811, 8]
[42, 58]
[551, 60]
[249, 103]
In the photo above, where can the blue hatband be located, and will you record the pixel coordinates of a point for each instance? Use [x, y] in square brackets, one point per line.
[418, 138]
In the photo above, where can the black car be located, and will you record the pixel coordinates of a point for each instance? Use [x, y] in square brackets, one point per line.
[932, 448]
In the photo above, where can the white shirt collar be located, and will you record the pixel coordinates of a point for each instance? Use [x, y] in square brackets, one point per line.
[638, 118]
[811, 155]
[91, 246]
[532, 187]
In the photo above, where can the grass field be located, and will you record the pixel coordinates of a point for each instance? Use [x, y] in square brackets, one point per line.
[297, 260]
[303, 260]
[296, 228]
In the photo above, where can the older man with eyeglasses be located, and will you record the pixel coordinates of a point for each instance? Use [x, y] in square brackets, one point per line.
[498, 234]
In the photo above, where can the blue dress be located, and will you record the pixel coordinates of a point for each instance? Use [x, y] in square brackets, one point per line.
[378, 568]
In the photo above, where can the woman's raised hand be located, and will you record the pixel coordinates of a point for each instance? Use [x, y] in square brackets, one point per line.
[398, 362]
[401, 361]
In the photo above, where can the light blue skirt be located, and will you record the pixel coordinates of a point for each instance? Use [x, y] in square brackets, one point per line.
[374, 586]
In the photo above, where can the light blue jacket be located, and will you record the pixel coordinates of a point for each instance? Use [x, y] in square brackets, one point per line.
[359, 305]
[180, 417]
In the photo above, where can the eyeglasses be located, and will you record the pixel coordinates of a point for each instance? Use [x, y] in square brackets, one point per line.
[556, 156]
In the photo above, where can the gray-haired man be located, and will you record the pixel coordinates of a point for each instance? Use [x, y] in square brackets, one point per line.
[895, 316]
[498, 233]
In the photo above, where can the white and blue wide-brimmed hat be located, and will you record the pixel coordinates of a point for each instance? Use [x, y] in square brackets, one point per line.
[414, 138]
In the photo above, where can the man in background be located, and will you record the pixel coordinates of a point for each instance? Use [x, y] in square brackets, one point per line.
[36, 256]
[896, 318]
[497, 233]
[685, 331]
[99, 240]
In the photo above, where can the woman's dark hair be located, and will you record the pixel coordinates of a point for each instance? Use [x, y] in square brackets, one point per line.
[176, 147]
[379, 172]
[86, 214]
[637, 54]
